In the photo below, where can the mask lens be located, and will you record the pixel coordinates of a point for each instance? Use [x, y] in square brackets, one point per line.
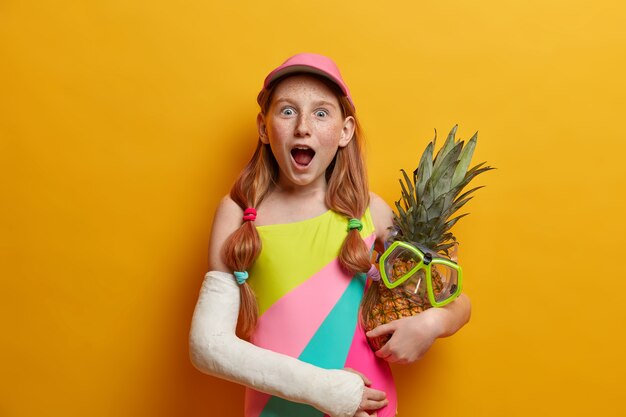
[399, 264]
[415, 287]
[445, 282]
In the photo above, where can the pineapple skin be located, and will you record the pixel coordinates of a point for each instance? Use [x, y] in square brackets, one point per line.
[393, 305]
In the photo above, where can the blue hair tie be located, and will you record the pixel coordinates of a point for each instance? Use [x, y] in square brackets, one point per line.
[355, 224]
[241, 276]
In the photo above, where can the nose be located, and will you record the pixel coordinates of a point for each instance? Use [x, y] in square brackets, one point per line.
[303, 128]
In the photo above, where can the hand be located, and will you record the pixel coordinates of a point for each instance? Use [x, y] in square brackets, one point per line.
[411, 336]
[372, 399]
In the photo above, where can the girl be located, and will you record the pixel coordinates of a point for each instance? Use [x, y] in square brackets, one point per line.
[288, 259]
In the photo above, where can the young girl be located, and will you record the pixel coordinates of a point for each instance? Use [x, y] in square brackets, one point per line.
[289, 257]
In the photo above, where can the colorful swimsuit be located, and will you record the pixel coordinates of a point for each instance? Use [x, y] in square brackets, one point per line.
[309, 308]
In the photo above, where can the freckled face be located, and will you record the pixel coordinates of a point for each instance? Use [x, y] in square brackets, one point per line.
[304, 127]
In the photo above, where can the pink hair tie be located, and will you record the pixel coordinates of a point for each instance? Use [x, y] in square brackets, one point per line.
[249, 215]
[373, 273]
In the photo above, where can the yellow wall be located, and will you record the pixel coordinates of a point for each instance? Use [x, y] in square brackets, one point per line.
[123, 122]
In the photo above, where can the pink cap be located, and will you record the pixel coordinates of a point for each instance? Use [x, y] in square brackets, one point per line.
[311, 63]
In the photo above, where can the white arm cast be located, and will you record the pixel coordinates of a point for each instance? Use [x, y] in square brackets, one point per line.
[216, 350]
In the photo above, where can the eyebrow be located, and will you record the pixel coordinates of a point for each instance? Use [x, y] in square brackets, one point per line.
[315, 104]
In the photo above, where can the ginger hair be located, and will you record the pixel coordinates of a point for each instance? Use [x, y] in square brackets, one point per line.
[347, 194]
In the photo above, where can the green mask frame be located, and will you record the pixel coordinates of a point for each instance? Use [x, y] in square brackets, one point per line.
[402, 261]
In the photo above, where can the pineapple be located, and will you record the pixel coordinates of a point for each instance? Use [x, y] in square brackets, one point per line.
[423, 218]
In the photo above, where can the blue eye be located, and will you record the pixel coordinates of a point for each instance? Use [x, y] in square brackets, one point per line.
[321, 113]
[287, 111]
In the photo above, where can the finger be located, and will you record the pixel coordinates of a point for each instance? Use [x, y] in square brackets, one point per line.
[371, 405]
[381, 330]
[382, 354]
[389, 357]
[375, 395]
[365, 379]
[384, 351]
[387, 354]
[392, 359]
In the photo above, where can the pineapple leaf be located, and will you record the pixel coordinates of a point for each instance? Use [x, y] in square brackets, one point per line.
[453, 132]
[434, 229]
[401, 211]
[442, 228]
[456, 206]
[444, 247]
[452, 222]
[435, 192]
[397, 227]
[474, 172]
[435, 209]
[448, 198]
[449, 160]
[441, 204]
[425, 167]
[444, 185]
[447, 236]
[411, 189]
[405, 195]
[422, 214]
[428, 195]
[465, 194]
[479, 165]
[436, 220]
[464, 161]
[473, 169]
[448, 144]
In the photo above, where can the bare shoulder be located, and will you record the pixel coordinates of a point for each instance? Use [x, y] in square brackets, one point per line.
[228, 208]
[227, 219]
[382, 216]
[381, 212]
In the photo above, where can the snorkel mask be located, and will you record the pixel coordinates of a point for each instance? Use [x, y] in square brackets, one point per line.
[420, 273]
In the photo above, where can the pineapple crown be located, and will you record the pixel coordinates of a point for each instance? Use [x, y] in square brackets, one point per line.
[432, 197]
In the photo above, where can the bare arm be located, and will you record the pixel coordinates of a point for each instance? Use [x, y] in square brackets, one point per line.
[382, 216]
[226, 220]
[453, 316]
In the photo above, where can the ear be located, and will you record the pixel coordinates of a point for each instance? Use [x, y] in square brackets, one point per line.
[262, 128]
[347, 131]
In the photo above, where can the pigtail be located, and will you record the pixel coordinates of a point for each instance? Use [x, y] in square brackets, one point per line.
[244, 245]
[240, 250]
[348, 194]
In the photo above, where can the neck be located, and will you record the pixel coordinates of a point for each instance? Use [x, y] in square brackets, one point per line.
[303, 198]
[296, 190]
[288, 203]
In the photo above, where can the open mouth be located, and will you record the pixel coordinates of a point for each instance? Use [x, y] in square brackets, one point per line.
[302, 155]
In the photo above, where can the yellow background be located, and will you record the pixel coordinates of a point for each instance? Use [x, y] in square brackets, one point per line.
[123, 122]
